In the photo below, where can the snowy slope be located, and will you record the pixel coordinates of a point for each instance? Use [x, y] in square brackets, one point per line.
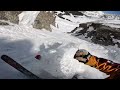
[57, 48]
[112, 51]
[23, 43]
[67, 26]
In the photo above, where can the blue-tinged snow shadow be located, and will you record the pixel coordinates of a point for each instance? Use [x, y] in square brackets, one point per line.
[17, 50]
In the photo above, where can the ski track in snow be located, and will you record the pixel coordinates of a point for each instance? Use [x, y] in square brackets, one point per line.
[23, 43]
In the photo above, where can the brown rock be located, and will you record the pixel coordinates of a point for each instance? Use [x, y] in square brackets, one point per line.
[44, 19]
[11, 16]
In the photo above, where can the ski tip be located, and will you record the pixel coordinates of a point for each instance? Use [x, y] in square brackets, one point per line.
[3, 56]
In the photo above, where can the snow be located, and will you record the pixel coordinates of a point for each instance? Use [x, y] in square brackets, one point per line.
[110, 21]
[57, 48]
[112, 25]
[94, 13]
[63, 24]
[27, 17]
[23, 43]
[90, 29]
[67, 26]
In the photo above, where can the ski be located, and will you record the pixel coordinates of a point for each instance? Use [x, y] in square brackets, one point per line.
[19, 67]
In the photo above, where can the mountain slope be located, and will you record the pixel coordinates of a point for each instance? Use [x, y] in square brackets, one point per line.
[57, 48]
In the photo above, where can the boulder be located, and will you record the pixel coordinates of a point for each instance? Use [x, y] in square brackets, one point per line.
[11, 16]
[44, 20]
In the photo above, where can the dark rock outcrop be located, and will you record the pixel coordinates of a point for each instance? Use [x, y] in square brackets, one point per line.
[73, 13]
[101, 34]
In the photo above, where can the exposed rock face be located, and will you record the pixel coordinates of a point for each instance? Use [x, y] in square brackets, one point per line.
[11, 16]
[99, 34]
[102, 36]
[44, 19]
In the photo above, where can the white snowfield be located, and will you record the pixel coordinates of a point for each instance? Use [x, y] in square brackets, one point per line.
[57, 49]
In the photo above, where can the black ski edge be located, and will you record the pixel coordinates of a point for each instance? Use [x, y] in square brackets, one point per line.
[19, 67]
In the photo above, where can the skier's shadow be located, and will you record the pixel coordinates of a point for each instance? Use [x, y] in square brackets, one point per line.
[51, 56]
[18, 50]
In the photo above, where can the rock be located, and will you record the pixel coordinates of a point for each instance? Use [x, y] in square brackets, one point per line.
[11, 16]
[73, 13]
[96, 25]
[44, 19]
[92, 33]
[101, 34]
